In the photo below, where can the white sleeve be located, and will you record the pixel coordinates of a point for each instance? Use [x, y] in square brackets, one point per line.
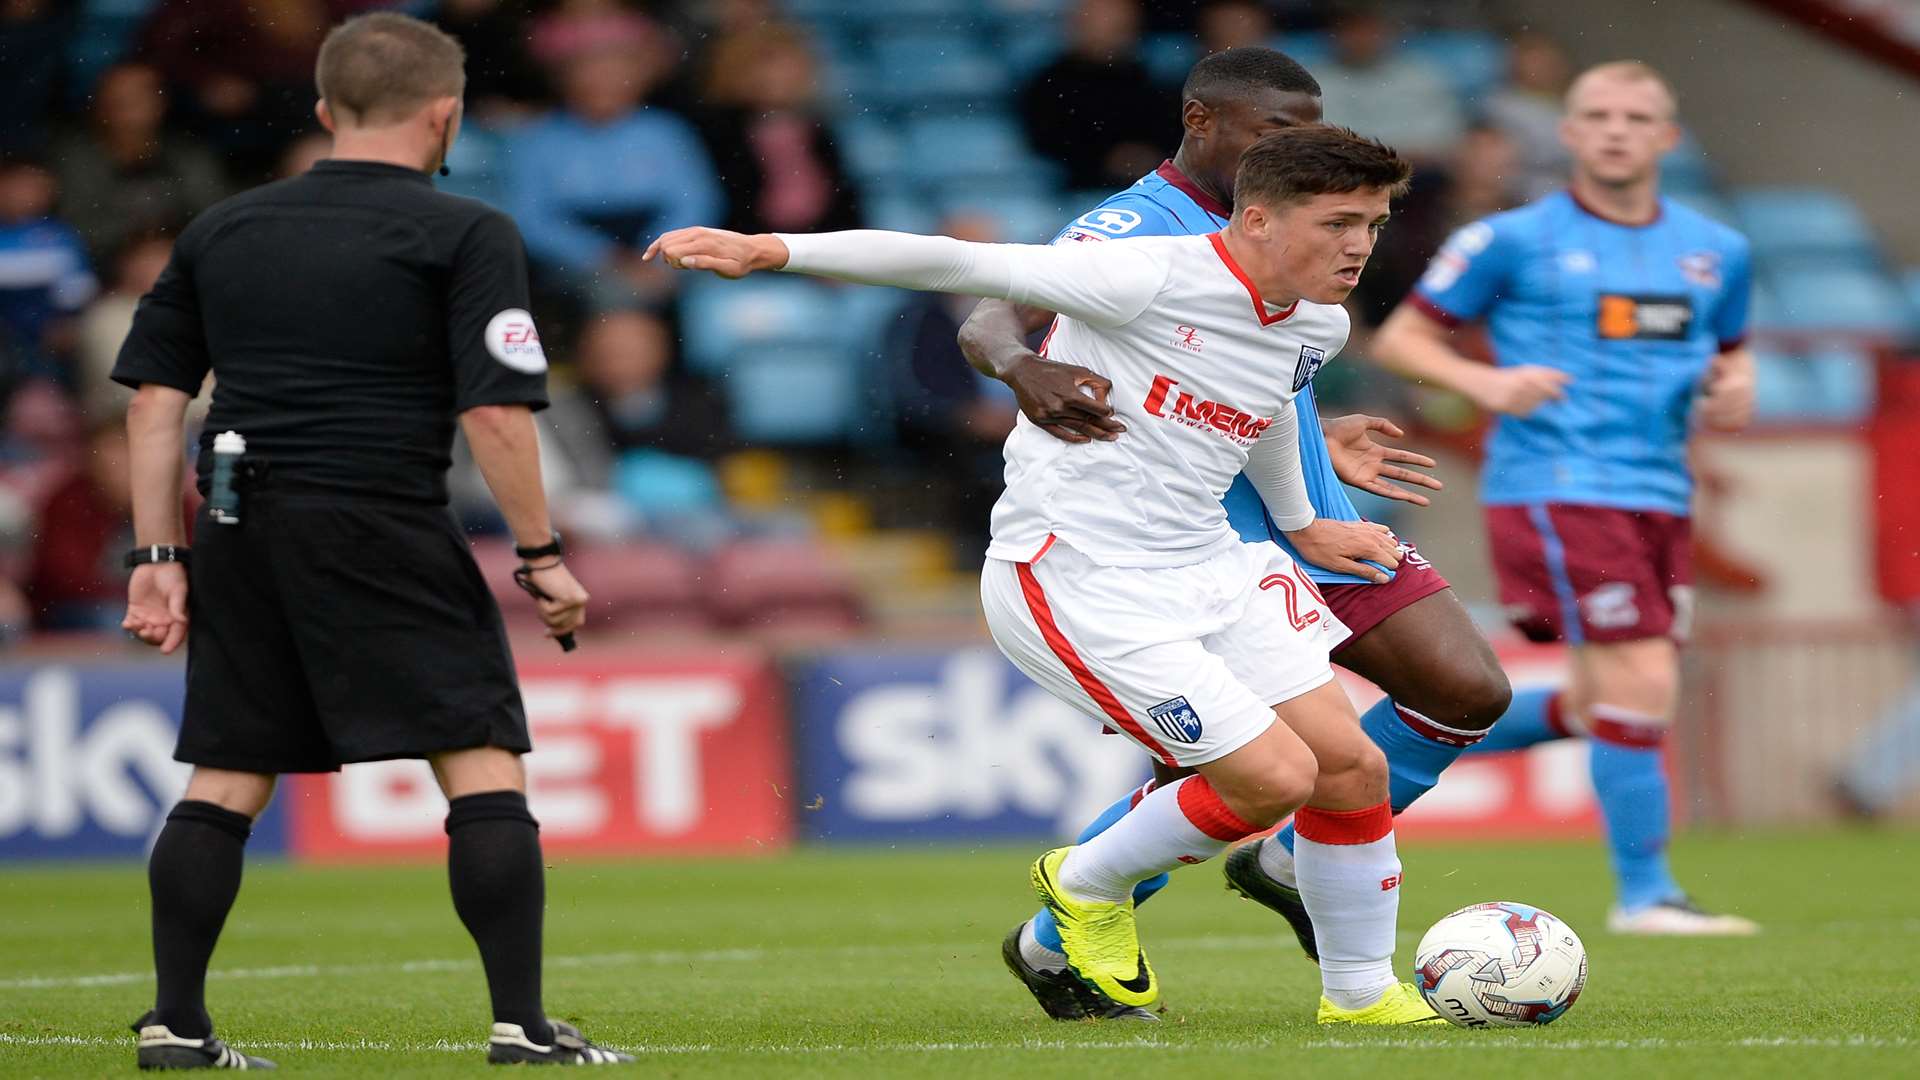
[1273, 467]
[1099, 284]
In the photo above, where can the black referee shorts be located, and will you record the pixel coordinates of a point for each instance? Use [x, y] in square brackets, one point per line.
[326, 630]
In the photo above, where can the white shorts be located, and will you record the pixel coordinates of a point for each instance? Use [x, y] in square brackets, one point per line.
[1187, 661]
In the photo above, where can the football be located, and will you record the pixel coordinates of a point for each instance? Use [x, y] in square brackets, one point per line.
[1500, 964]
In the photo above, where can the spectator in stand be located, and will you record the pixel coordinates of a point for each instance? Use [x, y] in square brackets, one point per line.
[503, 82]
[635, 437]
[1095, 110]
[244, 69]
[33, 50]
[1377, 90]
[75, 580]
[1528, 110]
[126, 173]
[777, 162]
[951, 416]
[1232, 24]
[104, 325]
[592, 183]
[45, 277]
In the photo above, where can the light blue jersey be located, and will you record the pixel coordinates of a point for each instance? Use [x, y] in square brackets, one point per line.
[1166, 203]
[1633, 313]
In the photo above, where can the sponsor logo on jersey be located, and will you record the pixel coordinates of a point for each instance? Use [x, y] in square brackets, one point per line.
[1610, 607]
[1702, 268]
[512, 340]
[1307, 366]
[1577, 261]
[1445, 271]
[1188, 338]
[1077, 235]
[1176, 720]
[1237, 424]
[1110, 220]
[1646, 316]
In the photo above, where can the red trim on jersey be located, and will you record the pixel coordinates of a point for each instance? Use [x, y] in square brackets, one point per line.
[1433, 311]
[1259, 306]
[1062, 648]
[1044, 548]
[1591, 211]
[1048, 340]
[1171, 173]
[1209, 813]
[1557, 716]
[1344, 826]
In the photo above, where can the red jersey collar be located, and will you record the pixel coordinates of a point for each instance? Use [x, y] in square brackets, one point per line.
[1591, 211]
[1171, 173]
[1267, 318]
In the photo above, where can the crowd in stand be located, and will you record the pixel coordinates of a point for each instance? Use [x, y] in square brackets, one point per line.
[608, 122]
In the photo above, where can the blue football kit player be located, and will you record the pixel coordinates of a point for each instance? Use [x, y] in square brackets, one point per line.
[1616, 318]
[1410, 634]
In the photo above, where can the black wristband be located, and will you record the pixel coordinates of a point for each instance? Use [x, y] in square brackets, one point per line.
[552, 549]
[158, 553]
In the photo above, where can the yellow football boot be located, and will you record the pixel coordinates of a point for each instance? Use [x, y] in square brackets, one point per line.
[1099, 938]
[1401, 1004]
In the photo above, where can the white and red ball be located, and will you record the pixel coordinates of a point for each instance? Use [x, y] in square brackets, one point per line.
[1500, 964]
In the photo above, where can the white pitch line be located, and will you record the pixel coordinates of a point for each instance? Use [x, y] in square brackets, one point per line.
[1849, 1042]
[1215, 942]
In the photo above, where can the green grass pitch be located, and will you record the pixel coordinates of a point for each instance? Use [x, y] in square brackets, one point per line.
[885, 963]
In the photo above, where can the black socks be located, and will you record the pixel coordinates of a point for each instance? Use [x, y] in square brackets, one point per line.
[499, 889]
[193, 874]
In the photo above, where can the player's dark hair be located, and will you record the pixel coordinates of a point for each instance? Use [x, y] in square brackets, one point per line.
[382, 66]
[1316, 159]
[1237, 72]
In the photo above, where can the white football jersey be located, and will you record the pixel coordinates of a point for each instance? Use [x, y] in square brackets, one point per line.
[1203, 370]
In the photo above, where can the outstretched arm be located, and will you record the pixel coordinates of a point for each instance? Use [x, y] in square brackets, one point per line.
[1064, 400]
[1105, 285]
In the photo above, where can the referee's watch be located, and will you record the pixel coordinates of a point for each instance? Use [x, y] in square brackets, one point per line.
[552, 549]
[159, 553]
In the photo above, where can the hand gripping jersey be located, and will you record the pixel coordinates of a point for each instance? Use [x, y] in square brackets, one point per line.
[1204, 374]
[1633, 313]
[1166, 203]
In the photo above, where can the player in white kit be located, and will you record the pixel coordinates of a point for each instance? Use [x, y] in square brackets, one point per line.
[1113, 578]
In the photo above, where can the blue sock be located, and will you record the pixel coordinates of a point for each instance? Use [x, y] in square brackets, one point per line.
[1534, 717]
[1045, 930]
[1631, 784]
[1415, 760]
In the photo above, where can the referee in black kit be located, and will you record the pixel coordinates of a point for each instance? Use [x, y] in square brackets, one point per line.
[330, 607]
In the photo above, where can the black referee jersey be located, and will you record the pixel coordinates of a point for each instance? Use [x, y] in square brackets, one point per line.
[348, 316]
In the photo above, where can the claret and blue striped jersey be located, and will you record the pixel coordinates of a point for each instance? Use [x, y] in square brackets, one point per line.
[1633, 313]
[1166, 203]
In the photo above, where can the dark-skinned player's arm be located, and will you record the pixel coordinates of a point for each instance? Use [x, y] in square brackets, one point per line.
[1372, 466]
[1274, 468]
[1064, 400]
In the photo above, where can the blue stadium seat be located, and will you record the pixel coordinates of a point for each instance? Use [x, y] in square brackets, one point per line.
[1706, 203]
[1475, 62]
[473, 165]
[1793, 220]
[1830, 384]
[102, 35]
[1687, 168]
[1024, 219]
[900, 211]
[872, 148]
[1168, 56]
[1911, 279]
[915, 69]
[1846, 299]
[1310, 48]
[960, 148]
[797, 395]
[727, 322]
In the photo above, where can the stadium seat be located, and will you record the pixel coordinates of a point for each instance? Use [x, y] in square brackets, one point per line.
[1168, 56]
[1844, 299]
[1687, 169]
[798, 395]
[782, 582]
[912, 70]
[872, 148]
[1782, 221]
[725, 320]
[1025, 218]
[102, 35]
[643, 585]
[952, 150]
[1831, 384]
[1706, 203]
[901, 212]
[473, 165]
[1475, 62]
[1911, 280]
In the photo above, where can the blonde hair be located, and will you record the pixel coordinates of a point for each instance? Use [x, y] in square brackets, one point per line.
[1625, 71]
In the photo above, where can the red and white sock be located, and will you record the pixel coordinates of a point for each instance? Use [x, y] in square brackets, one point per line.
[1349, 876]
[1178, 824]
